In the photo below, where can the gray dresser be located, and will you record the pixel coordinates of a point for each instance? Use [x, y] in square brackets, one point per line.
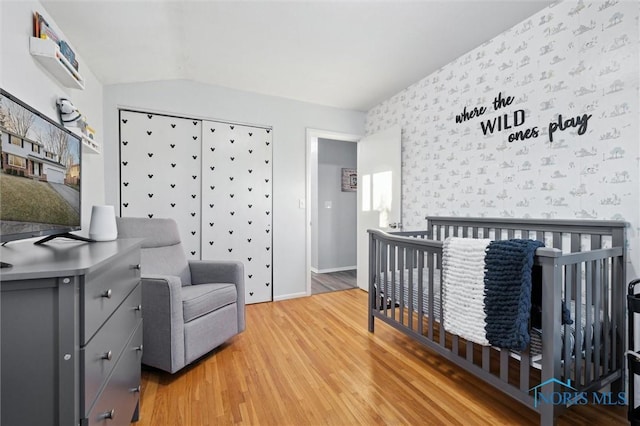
[71, 342]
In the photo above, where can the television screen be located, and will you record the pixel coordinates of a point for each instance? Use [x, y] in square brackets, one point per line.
[39, 175]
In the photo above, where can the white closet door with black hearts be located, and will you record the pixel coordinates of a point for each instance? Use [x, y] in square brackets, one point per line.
[160, 169]
[236, 201]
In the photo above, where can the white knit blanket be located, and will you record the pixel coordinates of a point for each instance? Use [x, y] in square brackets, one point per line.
[463, 287]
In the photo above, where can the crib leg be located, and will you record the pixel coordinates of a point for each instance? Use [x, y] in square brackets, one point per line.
[372, 301]
[546, 415]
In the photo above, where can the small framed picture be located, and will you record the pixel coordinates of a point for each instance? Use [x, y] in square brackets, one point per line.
[349, 180]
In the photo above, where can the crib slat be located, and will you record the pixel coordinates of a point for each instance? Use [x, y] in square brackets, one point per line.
[588, 329]
[430, 271]
[486, 358]
[469, 351]
[392, 267]
[524, 369]
[617, 308]
[420, 290]
[510, 234]
[578, 326]
[605, 322]
[410, 253]
[597, 322]
[401, 258]
[504, 365]
[568, 297]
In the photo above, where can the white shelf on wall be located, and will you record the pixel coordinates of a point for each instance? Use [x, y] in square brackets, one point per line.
[92, 147]
[47, 53]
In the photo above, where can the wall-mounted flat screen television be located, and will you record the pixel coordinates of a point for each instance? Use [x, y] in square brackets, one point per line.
[39, 174]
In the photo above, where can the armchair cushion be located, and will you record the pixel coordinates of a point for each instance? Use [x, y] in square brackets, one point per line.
[199, 300]
[162, 251]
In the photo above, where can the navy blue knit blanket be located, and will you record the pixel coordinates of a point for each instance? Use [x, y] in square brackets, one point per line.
[507, 292]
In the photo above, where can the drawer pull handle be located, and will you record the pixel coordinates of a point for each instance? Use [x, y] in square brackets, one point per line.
[138, 308]
[139, 348]
[109, 414]
[138, 267]
[136, 389]
[107, 294]
[108, 356]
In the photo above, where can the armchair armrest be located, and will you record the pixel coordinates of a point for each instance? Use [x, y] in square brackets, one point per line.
[163, 330]
[216, 271]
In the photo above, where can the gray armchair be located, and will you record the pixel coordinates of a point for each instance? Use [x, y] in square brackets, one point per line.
[189, 307]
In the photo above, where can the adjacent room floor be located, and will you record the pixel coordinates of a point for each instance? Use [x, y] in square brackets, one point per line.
[333, 281]
[312, 361]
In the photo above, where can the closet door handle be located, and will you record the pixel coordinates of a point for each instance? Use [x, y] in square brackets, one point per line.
[107, 294]
[108, 356]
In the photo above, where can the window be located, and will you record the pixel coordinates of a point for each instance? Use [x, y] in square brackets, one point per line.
[16, 140]
[16, 161]
[35, 148]
[49, 155]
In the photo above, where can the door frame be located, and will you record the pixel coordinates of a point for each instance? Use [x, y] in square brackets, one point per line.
[312, 136]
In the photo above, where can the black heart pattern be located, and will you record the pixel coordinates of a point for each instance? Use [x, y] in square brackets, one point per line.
[124, 120]
[173, 203]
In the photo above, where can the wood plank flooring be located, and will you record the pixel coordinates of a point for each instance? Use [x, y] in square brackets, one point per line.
[333, 281]
[311, 361]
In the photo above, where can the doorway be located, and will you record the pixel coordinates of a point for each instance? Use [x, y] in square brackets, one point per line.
[331, 211]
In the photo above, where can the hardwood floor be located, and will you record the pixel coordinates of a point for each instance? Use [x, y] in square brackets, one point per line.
[333, 281]
[311, 361]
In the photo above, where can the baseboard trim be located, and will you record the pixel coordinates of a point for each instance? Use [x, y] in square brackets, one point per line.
[290, 296]
[328, 270]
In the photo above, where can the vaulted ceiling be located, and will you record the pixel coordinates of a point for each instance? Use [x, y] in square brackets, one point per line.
[346, 54]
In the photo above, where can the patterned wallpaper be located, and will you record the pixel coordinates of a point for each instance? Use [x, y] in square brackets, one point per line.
[541, 121]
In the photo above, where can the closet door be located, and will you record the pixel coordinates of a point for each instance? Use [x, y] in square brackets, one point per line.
[236, 201]
[160, 169]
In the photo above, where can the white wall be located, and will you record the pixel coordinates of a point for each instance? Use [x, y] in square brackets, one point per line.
[24, 78]
[289, 120]
[336, 224]
[571, 59]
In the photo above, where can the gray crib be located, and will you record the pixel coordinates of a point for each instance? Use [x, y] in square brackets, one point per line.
[582, 266]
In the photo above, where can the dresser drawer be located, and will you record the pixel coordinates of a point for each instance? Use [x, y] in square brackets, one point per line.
[117, 401]
[100, 355]
[104, 290]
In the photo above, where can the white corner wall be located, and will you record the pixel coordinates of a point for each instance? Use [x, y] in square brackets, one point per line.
[24, 78]
[289, 120]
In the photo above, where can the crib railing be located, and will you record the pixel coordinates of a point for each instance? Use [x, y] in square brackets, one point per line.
[576, 271]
